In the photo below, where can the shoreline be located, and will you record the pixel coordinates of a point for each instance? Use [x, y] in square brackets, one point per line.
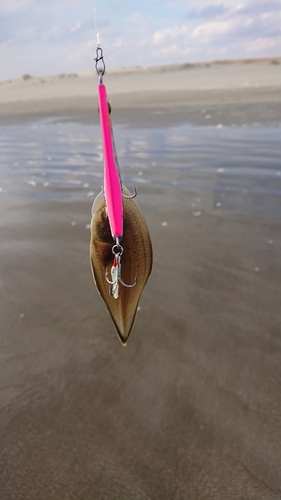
[181, 90]
[238, 107]
[148, 69]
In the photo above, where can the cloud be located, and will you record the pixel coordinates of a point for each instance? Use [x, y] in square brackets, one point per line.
[259, 45]
[137, 23]
[59, 35]
[223, 30]
[213, 29]
[173, 50]
[209, 11]
[169, 33]
[238, 23]
[11, 7]
[76, 27]
[136, 18]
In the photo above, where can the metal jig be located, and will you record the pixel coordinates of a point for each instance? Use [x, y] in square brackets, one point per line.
[112, 189]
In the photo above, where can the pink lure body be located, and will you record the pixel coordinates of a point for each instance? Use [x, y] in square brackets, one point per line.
[112, 182]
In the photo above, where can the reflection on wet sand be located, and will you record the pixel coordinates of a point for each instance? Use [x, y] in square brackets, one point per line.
[189, 408]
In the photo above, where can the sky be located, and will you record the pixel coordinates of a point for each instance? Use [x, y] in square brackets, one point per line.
[45, 37]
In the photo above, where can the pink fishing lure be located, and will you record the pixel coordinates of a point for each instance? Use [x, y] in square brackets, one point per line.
[125, 288]
[112, 181]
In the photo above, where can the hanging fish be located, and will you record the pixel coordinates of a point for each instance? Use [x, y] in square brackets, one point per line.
[120, 246]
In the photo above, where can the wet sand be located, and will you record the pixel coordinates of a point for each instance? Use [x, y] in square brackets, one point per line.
[190, 408]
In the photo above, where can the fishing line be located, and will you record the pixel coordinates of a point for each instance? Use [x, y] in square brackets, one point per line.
[96, 23]
[100, 65]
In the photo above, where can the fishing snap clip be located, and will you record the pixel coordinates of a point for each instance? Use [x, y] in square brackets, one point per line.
[100, 64]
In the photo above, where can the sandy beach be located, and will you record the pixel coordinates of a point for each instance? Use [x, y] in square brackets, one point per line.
[179, 92]
[190, 408]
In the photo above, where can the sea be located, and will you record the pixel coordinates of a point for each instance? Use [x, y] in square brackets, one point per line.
[239, 165]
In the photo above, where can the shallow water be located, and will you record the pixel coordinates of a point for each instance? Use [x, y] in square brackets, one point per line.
[240, 164]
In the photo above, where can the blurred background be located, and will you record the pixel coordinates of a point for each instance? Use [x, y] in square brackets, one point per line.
[50, 37]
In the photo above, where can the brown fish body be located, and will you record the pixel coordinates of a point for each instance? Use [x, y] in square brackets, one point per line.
[136, 261]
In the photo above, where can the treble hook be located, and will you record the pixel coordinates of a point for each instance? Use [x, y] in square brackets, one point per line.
[132, 195]
[128, 196]
[117, 251]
